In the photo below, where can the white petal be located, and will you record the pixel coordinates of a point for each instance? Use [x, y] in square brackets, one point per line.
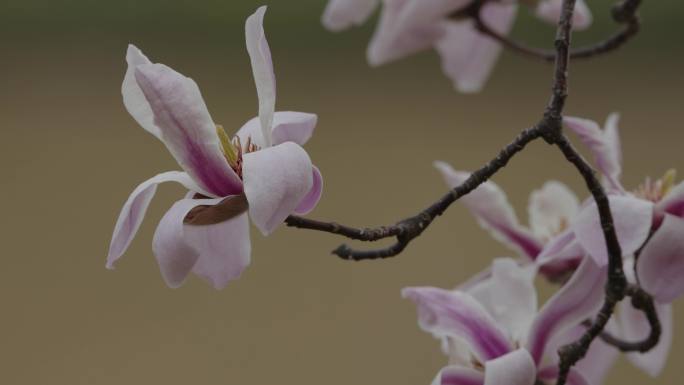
[632, 218]
[515, 368]
[276, 180]
[262, 68]
[133, 97]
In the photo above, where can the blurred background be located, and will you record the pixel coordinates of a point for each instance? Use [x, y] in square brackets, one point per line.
[71, 155]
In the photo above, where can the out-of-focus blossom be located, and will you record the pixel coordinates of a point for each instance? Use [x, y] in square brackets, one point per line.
[494, 334]
[550, 11]
[342, 14]
[262, 171]
[410, 26]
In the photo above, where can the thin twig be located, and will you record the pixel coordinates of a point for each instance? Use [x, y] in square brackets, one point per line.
[623, 13]
[408, 229]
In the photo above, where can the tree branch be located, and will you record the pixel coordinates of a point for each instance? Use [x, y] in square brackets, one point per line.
[549, 128]
[623, 13]
[410, 228]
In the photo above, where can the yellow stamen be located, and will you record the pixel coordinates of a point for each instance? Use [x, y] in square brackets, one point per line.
[229, 150]
[668, 181]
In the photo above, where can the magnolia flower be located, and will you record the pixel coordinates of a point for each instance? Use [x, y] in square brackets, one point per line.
[263, 170]
[409, 26]
[495, 334]
[654, 258]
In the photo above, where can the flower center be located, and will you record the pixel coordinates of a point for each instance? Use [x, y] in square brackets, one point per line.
[655, 191]
[233, 149]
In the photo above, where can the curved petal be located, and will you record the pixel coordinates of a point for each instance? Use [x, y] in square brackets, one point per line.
[288, 126]
[660, 266]
[632, 217]
[224, 249]
[180, 248]
[342, 14]
[550, 11]
[133, 97]
[673, 202]
[456, 314]
[575, 302]
[186, 128]
[551, 208]
[175, 256]
[407, 27]
[489, 205]
[635, 327]
[468, 56]
[262, 68]
[514, 368]
[311, 199]
[603, 144]
[276, 180]
[575, 376]
[458, 375]
[133, 211]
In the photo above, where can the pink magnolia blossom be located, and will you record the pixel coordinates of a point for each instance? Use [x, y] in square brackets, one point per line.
[494, 334]
[262, 171]
[410, 26]
[657, 263]
[562, 231]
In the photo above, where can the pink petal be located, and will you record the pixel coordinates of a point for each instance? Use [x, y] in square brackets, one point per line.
[575, 302]
[488, 203]
[311, 199]
[458, 375]
[186, 128]
[551, 208]
[288, 126]
[575, 376]
[550, 11]
[673, 202]
[133, 211]
[603, 144]
[217, 252]
[514, 368]
[342, 14]
[660, 266]
[276, 180]
[133, 97]
[635, 327]
[409, 26]
[632, 217]
[262, 69]
[468, 56]
[457, 314]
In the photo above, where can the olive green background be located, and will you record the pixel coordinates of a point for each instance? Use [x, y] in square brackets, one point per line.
[70, 155]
